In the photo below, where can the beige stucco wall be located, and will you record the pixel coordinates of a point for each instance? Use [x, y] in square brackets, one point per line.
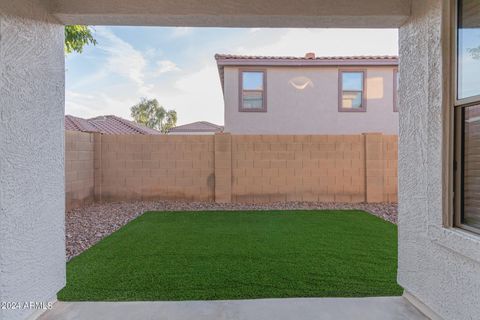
[314, 109]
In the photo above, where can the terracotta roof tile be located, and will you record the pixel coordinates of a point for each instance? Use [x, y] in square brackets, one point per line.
[107, 125]
[78, 124]
[304, 58]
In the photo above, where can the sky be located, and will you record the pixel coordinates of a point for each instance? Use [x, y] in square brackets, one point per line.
[469, 65]
[177, 65]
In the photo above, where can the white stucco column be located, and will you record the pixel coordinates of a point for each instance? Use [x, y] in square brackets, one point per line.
[32, 242]
[438, 266]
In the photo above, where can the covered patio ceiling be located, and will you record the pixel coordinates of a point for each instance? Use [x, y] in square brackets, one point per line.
[234, 13]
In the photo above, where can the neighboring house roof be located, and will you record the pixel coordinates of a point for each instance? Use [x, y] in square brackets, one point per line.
[308, 60]
[78, 124]
[107, 125]
[199, 126]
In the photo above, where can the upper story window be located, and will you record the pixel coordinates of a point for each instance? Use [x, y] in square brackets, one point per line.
[395, 90]
[467, 116]
[352, 91]
[253, 91]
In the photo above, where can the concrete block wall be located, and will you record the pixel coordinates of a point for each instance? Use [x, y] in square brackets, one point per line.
[299, 168]
[138, 167]
[381, 163]
[226, 168]
[79, 169]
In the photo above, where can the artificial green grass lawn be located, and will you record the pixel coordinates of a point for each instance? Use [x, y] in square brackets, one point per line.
[239, 255]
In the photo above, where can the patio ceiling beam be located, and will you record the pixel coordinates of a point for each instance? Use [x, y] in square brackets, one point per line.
[234, 13]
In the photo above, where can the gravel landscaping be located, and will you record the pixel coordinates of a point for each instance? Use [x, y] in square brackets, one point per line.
[88, 225]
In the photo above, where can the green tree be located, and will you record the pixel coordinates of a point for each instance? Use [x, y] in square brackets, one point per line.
[151, 114]
[77, 37]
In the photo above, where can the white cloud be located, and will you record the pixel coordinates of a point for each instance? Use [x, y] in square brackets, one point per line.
[85, 98]
[88, 80]
[105, 102]
[165, 66]
[74, 95]
[80, 104]
[151, 53]
[181, 32]
[196, 96]
[123, 59]
[324, 42]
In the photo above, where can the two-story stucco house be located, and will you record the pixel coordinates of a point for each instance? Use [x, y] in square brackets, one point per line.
[309, 95]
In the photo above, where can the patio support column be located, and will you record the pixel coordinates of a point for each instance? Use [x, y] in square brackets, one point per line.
[32, 189]
[223, 167]
[438, 266]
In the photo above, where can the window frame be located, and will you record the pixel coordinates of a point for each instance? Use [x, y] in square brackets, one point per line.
[395, 90]
[341, 71]
[241, 71]
[458, 116]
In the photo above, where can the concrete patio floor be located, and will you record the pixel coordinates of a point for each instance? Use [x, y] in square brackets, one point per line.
[385, 308]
